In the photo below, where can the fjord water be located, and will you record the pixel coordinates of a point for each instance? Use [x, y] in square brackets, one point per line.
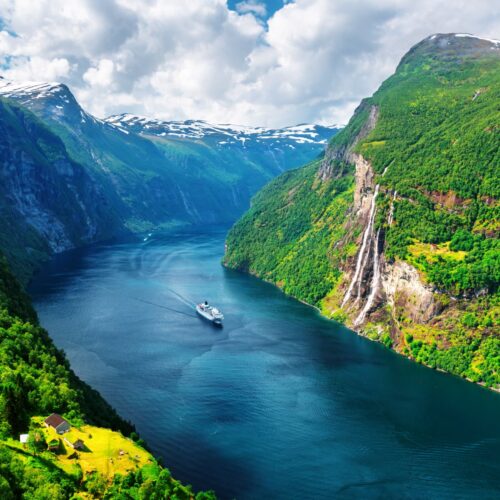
[280, 403]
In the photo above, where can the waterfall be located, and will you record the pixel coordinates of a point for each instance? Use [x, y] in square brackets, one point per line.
[390, 219]
[362, 270]
[366, 235]
[365, 262]
[375, 282]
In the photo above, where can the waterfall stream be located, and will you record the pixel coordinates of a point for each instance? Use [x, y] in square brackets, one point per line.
[364, 247]
[375, 282]
[390, 219]
[365, 262]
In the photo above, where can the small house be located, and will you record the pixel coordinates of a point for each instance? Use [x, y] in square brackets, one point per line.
[76, 445]
[57, 423]
[23, 438]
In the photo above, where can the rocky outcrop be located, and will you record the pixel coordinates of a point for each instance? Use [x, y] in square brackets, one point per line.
[364, 188]
[363, 272]
[340, 155]
[404, 291]
[370, 280]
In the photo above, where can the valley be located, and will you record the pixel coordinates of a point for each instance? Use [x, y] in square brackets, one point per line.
[112, 229]
[277, 387]
[104, 178]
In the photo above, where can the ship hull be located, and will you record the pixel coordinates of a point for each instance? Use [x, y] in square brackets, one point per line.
[215, 321]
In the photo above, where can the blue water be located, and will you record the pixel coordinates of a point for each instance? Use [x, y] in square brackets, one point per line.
[280, 403]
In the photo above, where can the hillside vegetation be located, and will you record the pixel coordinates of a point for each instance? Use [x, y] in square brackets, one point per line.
[433, 150]
[35, 379]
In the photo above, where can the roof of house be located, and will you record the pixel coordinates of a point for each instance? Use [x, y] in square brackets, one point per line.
[55, 420]
[23, 438]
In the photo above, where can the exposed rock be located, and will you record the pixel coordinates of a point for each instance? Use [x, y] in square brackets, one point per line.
[366, 267]
[404, 290]
[365, 186]
[338, 156]
[49, 203]
[372, 280]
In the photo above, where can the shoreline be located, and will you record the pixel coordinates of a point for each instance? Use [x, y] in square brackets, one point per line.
[360, 334]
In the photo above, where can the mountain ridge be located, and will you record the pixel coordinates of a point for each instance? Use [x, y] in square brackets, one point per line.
[197, 129]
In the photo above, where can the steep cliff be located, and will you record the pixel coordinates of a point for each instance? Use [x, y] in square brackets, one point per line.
[49, 202]
[395, 231]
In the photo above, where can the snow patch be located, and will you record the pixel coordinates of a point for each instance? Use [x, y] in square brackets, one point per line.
[467, 35]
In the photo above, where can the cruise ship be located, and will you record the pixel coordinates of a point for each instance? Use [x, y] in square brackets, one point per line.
[210, 313]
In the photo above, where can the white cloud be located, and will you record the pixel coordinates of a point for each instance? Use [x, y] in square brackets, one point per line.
[102, 75]
[39, 69]
[252, 6]
[313, 61]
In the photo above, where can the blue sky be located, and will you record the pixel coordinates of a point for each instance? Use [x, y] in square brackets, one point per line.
[271, 6]
[249, 62]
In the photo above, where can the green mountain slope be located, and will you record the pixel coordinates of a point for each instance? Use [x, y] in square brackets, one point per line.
[396, 231]
[36, 380]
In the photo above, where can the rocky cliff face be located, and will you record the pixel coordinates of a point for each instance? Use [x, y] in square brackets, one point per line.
[49, 202]
[371, 281]
[343, 152]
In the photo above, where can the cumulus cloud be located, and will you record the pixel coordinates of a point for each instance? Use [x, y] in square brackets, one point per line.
[312, 61]
[253, 6]
[102, 75]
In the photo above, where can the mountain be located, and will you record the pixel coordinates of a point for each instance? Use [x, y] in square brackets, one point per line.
[224, 136]
[92, 179]
[395, 231]
[49, 202]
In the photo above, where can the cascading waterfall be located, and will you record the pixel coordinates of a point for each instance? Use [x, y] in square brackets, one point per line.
[361, 255]
[390, 219]
[365, 262]
[375, 282]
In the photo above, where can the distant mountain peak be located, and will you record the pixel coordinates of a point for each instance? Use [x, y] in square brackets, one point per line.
[29, 87]
[50, 99]
[450, 36]
[450, 47]
[226, 133]
[31, 92]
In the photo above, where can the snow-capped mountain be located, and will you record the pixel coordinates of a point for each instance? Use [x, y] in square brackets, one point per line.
[51, 100]
[29, 90]
[58, 98]
[133, 173]
[224, 133]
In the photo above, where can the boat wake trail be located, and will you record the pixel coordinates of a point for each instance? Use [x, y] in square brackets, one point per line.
[162, 306]
[155, 304]
[183, 299]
